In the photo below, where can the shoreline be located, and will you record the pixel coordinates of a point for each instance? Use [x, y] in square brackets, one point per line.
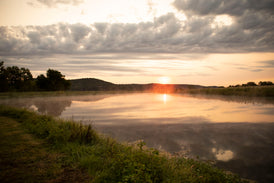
[106, 159]
[257, 91]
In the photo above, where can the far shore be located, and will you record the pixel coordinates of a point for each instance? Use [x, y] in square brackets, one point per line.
[251, 91]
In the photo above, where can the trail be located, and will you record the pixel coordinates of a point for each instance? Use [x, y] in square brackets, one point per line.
[24, 158]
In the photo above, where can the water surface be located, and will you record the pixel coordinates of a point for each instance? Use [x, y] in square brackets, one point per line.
[235, 132]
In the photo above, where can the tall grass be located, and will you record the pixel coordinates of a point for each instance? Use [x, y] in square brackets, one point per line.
[109, 161]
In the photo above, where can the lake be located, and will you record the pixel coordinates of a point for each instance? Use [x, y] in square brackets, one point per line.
[237, 133]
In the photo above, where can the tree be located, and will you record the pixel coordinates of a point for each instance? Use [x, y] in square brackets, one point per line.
[249, 84]
[3, 78]
[53, 82]
[15, 79]
[265, 83]
[42, 82]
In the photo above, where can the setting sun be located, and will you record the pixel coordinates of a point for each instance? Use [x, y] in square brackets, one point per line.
[179, 78]
[164, 80]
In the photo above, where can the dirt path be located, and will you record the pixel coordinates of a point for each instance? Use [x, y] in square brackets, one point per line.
[24, 158]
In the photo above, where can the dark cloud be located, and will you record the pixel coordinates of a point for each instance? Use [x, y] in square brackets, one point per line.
[54, 3]
[218, 7]
[251, 32]
[253, 22]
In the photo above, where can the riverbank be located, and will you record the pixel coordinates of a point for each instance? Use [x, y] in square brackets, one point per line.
[25, 158]
[100, 159]
[248, 91]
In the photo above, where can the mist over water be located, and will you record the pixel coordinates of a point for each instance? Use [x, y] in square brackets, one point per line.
[234, 132]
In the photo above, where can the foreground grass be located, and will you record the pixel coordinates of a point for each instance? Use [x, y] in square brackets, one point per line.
[76, 146]
[252, 91]
[28, 159]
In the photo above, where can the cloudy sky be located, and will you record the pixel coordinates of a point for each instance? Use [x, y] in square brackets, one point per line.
[207, 42]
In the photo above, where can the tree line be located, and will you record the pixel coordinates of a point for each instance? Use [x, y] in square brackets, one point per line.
[261, 83]
[20, 79]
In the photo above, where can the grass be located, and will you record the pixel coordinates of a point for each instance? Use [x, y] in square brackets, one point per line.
[102, 159]
[251, 91]
[28, 159]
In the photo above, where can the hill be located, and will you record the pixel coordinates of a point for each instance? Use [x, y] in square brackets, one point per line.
[92, 84]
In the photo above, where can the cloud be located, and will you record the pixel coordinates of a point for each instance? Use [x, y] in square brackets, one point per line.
[196, 74]
[166, 34]
[261, 66]
[54, 3]
[252, 23]
[251, 69]
[267, 64]
[75, 67]
[212, 68]
[218, 7]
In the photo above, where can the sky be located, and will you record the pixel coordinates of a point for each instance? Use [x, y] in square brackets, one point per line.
[206, 42]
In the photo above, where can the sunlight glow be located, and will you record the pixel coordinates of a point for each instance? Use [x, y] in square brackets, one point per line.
[164, 80]
[222, 20]
[163, 98]
[119, 11]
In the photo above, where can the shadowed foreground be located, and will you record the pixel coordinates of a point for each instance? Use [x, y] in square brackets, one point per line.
[58, 151]
[28, 159]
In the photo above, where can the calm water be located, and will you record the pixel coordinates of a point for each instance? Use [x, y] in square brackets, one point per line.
[236, 133]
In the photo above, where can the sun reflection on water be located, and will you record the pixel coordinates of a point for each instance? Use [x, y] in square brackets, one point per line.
[164, 98]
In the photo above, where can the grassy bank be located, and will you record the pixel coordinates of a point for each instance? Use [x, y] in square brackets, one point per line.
[24, 158]
[251, 91]
[102, 159]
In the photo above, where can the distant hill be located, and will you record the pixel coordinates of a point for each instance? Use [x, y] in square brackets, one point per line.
[92, 84]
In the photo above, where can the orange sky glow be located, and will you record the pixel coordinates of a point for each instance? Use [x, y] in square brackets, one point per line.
[146, 41]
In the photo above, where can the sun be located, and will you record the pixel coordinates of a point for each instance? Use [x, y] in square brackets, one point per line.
[164, 80]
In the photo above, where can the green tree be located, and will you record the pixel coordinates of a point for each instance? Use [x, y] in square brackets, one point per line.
[53, 82]
[15, 79]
